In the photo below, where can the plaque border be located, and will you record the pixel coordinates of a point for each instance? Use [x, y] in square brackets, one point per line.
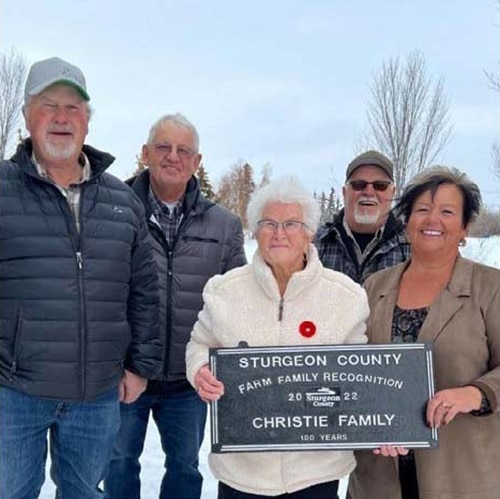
[217, 447]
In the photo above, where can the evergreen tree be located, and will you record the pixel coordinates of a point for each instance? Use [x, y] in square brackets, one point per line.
[329, 205]
[205, 184]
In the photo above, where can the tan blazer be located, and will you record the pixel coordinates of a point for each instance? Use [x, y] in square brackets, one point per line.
[464, 327]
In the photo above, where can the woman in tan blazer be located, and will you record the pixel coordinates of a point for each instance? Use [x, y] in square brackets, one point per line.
[442, 298]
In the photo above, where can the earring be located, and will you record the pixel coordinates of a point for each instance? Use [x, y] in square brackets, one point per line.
[462, 242]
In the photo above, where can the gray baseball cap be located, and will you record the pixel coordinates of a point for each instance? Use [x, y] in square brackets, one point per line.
[45, 73]
[371, 158]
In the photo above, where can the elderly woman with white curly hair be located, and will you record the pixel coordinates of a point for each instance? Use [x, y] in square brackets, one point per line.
[265, 304]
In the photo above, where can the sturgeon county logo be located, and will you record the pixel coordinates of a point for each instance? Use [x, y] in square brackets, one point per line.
[323, 397]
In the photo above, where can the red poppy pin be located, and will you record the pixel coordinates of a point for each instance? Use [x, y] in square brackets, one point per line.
[307, 329]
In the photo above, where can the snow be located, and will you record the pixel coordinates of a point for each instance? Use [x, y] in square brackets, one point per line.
[485, 250]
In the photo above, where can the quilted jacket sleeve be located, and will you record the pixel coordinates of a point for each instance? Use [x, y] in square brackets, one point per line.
[237, 256]
[144, 356]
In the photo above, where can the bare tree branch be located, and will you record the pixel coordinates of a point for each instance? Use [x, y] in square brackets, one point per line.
[495, 156]
[494, 79]
[407, 117]
[13, 69]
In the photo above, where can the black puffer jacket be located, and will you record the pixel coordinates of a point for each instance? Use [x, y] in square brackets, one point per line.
[75, 307]
[209, 241]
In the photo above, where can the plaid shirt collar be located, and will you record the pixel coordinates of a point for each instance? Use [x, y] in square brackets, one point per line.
[377, 236]
[168, 219]
[83, 161]
[375, 240]
[72, 192]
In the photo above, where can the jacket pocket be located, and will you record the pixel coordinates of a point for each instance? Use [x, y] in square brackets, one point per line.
[16, 342]
[200, 239]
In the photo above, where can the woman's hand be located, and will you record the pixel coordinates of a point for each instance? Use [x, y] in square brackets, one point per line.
[390, 451]
[446, 404]
[209, 388]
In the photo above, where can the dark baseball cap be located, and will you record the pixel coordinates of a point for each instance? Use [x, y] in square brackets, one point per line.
[48, 72]
[371, 158]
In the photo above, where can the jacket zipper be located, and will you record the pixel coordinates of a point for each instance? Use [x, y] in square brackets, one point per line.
[81, 287]
[168, 319]
[169, 249]
[168, 332]
[79, 261]
[280, 309]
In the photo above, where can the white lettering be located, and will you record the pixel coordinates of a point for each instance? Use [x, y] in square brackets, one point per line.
[366, 419]
[369, 359]
[306, 421]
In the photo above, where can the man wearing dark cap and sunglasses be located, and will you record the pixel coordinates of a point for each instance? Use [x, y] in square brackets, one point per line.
[364, 237]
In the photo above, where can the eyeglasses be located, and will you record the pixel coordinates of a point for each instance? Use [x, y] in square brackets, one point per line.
[183, 152]
[289, 226]
[361, 185]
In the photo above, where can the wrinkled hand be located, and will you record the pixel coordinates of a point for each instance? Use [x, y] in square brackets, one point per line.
[131, 387]
[209, 388]
[446, 404]
[390, 451]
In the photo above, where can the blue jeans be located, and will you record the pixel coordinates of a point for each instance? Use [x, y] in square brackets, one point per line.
[180, 419]
[82, 435]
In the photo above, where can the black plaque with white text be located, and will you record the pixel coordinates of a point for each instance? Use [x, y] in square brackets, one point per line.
[322, 397]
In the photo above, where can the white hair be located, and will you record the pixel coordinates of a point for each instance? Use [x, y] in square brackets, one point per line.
[285, 190]
[179, 120]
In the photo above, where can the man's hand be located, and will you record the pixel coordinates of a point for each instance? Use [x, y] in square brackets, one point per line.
[131, 387]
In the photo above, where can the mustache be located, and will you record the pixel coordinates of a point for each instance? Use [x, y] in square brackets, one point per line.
[371, 199]
[60, 129]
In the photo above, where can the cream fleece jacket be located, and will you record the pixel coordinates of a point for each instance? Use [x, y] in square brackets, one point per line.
[244, 305]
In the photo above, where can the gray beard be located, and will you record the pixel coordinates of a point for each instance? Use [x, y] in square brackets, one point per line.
[59, 152]
[363, 219]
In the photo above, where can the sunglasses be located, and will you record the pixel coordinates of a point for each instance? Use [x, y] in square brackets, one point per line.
[361, 185]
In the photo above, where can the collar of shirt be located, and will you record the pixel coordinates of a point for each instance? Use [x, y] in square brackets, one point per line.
[160, 208]
[361, 253]
[83, 161]
[376, 236]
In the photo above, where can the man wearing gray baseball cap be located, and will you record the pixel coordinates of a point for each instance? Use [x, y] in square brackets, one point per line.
[78, 296]
[364, 237]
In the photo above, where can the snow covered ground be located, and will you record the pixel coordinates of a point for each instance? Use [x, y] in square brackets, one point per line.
[483, 250]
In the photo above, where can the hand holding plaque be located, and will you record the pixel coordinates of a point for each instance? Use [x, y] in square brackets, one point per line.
[209, 388]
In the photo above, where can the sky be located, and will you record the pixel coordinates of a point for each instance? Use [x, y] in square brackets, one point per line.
[284, 82]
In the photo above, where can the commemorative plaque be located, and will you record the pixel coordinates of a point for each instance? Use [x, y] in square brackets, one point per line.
[322, 397]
